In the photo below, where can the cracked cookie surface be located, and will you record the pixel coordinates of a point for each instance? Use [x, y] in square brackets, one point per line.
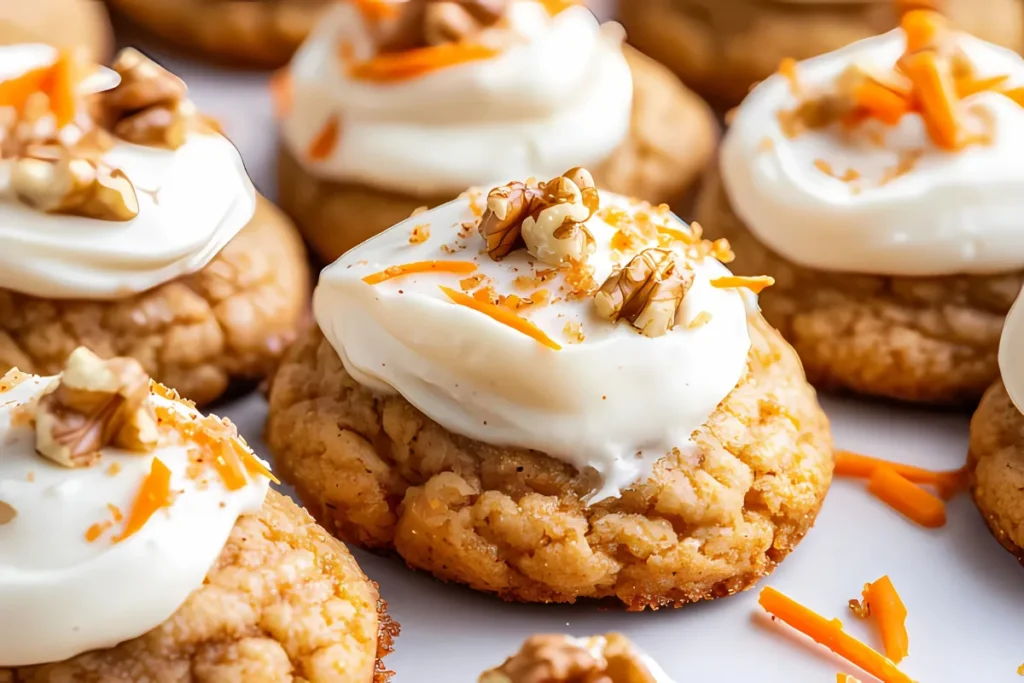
[232, 320]
[713, 520]
[283, 602]
[671, 140]
[926, 339]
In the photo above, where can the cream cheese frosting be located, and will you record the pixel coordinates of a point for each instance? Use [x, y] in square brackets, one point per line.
[905, 206]
[62, 594]
[192, 202]
[1011, 354]
[560, 96]
[610, 399]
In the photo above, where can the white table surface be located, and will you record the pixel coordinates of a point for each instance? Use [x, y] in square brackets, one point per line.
[965, 595]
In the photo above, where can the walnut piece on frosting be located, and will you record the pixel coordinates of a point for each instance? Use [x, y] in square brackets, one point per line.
[425, 23]
[647, 292]
[54, 179]
[560, 659]
[95, 403]
[547, 218]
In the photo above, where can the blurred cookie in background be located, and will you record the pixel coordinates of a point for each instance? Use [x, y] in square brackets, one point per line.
[61, 23]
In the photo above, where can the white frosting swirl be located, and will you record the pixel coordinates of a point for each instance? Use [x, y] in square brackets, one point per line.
[951, 213]
[1011, 354]
[192, 202]
[560, 98]
[61, 595]
[617, 402]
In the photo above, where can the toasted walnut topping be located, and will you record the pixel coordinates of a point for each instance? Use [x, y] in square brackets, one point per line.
[96, 403]
[546, 218]
[423, 23]
[560, 659]
[144, 83]
[647, 292]
[7, 513]
[50, 178]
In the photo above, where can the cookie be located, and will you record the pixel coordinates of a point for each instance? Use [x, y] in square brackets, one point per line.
[490, 452]
[363, 185]
[261, 34]
[922, 339]
[65, 24]
[721, 48]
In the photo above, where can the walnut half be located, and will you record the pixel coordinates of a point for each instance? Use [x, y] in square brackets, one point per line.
[560, 659]
[96, 403]
[647, 292]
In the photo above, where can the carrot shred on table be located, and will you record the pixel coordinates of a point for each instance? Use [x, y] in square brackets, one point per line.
[282, 93]
[965, 87]
[459, 267]
[907, 498]
[889, 612]
[503, 315]
[935, 93]
[14, 92]
[326, 140]
[881, 102]
[155, 493]
[947, 483]
[409, 64]
[755, 283]
[830, 634]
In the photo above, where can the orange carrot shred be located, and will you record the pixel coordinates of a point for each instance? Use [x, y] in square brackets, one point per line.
[281, 92]
[830, 634]
[684, 237]
[460, 267]
[115, 512]
[252, 464]
[880, 102]
[403, 66]
[922, 28]
[376, 10]
[755, 284]
[907, 498]
[503, 315]
[890, 614]
[965, 87]
[787, 67]
[229, 467]
[1015, 94]
[14, 92]
[856, 465]
[845, 678]
[96, 530]
[556, 7]
[935, 91]
[65, 78]
[326, 140]
[155, 493]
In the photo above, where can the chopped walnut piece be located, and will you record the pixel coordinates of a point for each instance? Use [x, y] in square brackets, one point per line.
[51, 179]
[420, 233]
[647, 292]
[573, 332]
[561, 659]
[144, 83]
[425, 24]
[95, 403]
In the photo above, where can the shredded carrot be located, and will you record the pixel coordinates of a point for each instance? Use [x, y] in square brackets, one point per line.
[155, 493]
[907, 498]
[376, 10]
[935, 92]
[14, 92]
[281, 92]
[890, 614]
[326, 140]
[115, 512]
[503, 315]
[830, 634]
[66, 75]
[922, 28]
[460, 267]
[1015, 94]
[556, 7]
[787, 67]
[755, 284]
[884, 104]
[965, 87]
[229, 467]
[850, 464]
[252, 464]
[684, 237]
[93, 533]
[845, 678]
[403, 66]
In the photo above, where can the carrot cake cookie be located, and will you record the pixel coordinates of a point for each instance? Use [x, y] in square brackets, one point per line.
[66, 24]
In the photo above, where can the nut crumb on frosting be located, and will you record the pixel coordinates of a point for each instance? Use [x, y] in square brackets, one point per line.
[561, 659]
[420, 233]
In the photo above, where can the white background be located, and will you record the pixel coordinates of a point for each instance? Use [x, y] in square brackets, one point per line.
[965, 595]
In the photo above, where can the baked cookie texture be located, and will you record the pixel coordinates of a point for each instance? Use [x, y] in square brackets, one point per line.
[232, 320]
[672, 139]
[378, 473]
[996, 466]
[62, 23]
[924, 339]
[283, 602]
[261, 33]
[721, 47]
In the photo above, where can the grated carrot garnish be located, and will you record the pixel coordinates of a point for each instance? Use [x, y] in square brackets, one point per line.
[882, 103]
[155, 493]
[787, 67]
[93, 533]
[1015, 94]
[889, 612]
[63, 90]
[253, 465]
[503, 315]
[376, 10]
[830, 634]
[14, 92]
[965, 87]
[935, 93]
[403, 66]
[556, 7]
[922, 28]
[824, 167]
[282, 95]
[460, 267]
[846, 678]
[756, 283]
[229, 467]
[850, 464]
[684, 237]
[907, 498]
[326, 140]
